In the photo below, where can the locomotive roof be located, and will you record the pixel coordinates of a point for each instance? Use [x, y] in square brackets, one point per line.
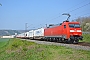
[72, 22]
[62, 23]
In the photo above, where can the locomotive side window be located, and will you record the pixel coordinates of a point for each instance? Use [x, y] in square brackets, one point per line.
[64, 26]
[74, 25]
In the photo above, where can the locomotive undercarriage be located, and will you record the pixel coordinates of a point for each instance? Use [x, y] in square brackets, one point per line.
[55, 39]
[72, 39]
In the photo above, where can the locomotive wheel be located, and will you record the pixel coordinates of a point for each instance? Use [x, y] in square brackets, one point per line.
[70, 41]
[50, 39]
[47, 39]
[53, 39]
[57, 39]
[60, 40]
[76, 41]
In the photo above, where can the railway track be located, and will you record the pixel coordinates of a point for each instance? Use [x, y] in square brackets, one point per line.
[83, 44]
[79, 46]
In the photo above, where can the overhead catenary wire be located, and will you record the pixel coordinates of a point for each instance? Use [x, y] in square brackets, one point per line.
[81, 16]
[71, 10]
[76, 8]
[80, 12]
[79, 7]
[0, 4]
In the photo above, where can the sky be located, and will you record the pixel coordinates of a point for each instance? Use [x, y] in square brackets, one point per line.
[14, 14]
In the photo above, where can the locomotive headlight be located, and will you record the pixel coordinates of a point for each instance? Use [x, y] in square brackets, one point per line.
[79, 31]
[72, 31]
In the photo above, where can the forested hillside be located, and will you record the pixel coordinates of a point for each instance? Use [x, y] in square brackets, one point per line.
[11, 32]
[8, 32]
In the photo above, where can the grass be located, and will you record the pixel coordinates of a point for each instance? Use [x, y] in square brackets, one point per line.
[3, 41]
[17, 49]
[86, 38]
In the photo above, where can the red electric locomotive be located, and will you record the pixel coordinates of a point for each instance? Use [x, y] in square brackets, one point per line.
[66, 32]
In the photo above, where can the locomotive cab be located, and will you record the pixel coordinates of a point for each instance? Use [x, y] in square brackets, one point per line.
[72, 31]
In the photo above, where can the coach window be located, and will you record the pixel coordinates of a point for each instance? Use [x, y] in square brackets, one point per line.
[64, 26]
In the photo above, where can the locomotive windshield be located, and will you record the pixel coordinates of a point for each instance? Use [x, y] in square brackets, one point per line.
[74, 25]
